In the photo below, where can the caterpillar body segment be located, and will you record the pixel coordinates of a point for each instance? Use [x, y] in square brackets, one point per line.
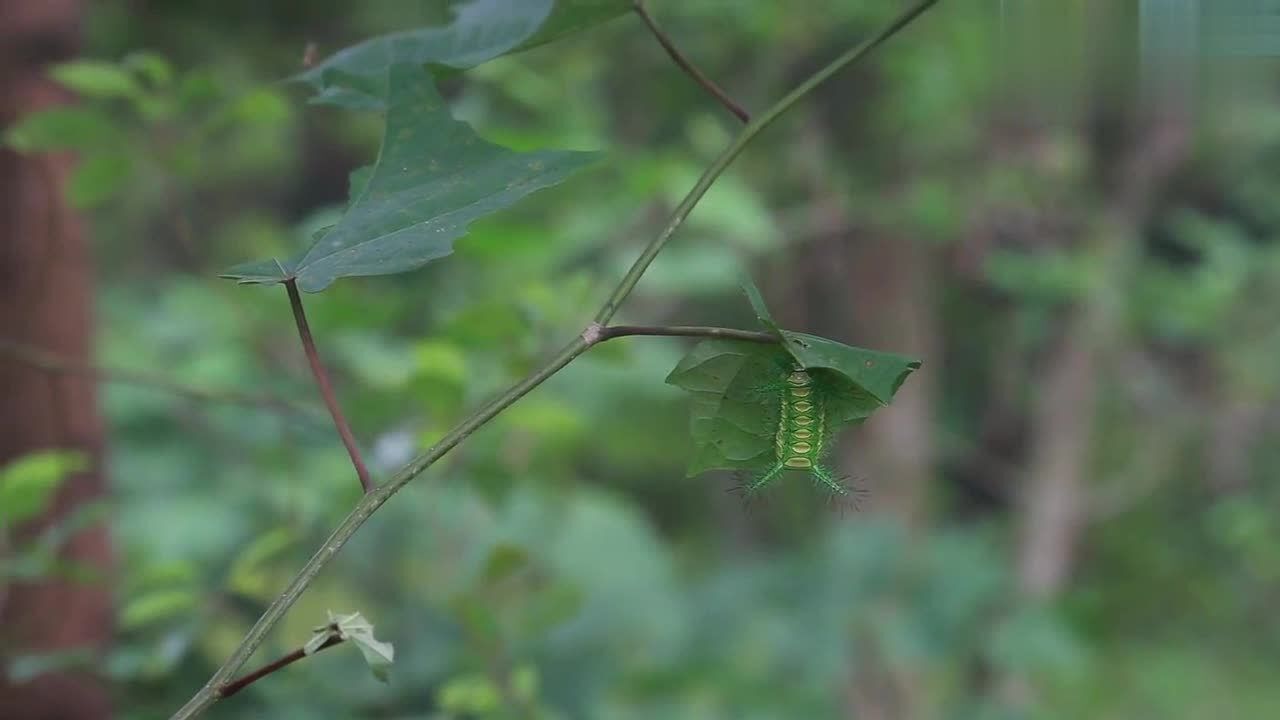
[802, 432]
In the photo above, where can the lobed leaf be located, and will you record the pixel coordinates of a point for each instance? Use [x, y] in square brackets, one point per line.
[434, 176]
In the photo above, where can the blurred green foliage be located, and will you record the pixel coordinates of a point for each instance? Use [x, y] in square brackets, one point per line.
[559, 564]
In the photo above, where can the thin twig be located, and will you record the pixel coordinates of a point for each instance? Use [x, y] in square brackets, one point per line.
[370, 503]
[55, 363]
[688, 67]
[326, 388]
[748, 133]
[617, 331]
[245, 681]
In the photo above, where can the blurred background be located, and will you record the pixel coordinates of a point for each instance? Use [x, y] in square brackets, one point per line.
[1066, 209]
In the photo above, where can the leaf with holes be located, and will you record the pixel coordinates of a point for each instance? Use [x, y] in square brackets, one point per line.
[480, 31]
[434, 177]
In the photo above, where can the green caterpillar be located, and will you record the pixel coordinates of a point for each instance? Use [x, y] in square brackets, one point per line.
[802, 434]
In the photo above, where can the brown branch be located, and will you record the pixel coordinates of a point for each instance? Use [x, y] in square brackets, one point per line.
[617, 331]
[326, 388]
[688, 67]
[245, 681]
[55, 363]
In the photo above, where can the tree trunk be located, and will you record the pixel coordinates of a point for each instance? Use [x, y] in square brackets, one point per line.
[45, 301]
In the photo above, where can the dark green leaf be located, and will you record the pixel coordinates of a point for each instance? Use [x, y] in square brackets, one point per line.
[731, 425]
[504, 560]
[733, 413]
[878, 373]
[481, 30]
[433, 177]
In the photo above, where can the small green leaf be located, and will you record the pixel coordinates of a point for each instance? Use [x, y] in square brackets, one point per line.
[63, 128]
[433, 178]
[355, 629]
[27, 485]
[96, 79]
[524, 683]
[157, 606]
[248, 573]
[472, 694]
[481, 31]
[152, 66]
[20, 669]
[504, 560]
[98, 178]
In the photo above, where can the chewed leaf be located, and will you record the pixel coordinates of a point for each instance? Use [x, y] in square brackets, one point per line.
[480, 31]
[433, 178]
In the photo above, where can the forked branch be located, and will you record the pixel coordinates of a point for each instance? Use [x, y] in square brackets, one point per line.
[598, 332]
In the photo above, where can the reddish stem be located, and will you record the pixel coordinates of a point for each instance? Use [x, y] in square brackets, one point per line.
[326, 388]
[245, 681]
[687, 66]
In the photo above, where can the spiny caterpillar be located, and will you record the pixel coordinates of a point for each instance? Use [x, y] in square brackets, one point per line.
[802, 433]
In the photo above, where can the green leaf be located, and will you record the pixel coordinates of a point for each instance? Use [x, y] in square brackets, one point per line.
[878, 373]
[505, 560]
[152, 66]
[481, 30]
[98, 178]
[731, 426]
[471, 694]
[64, 128]
[96, 79]
[248, 575]
[433, 177]
[156, 606]
[25, 668]
[733, 418]
[27, 485]
[355, 629]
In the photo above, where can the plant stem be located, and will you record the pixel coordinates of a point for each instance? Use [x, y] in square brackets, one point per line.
[688, 67]
[373, 500]
[746, 136]
[363, 510]
[245, 681]
[617, 331]
[54, 363]
[326, 388]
